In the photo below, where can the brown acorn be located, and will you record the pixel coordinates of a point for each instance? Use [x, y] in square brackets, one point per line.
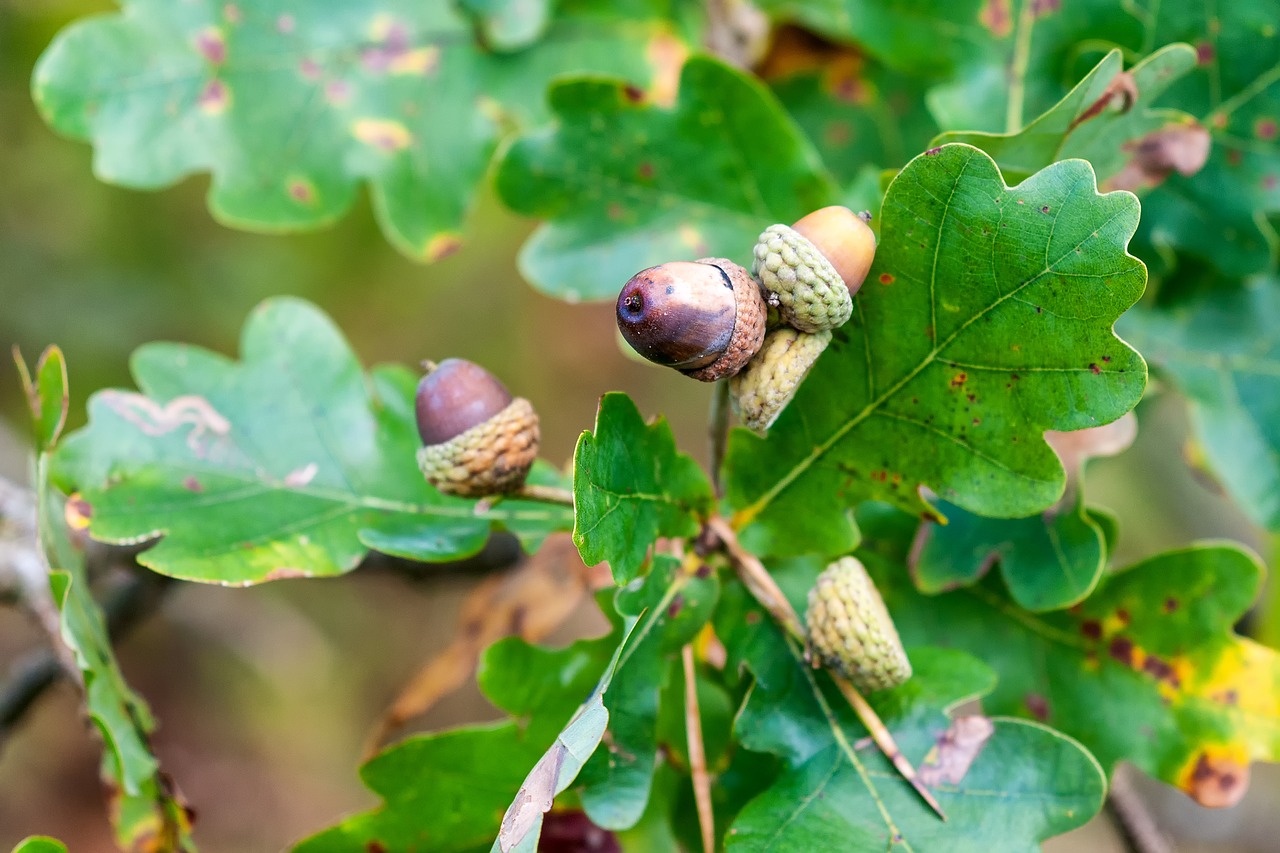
[844, 239]
[704, 318]
[477, 440]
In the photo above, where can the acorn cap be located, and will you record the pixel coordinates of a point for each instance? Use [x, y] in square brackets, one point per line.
[807, 289]
[704, 318]
[850, 630]
[490, 458]
[766, 386]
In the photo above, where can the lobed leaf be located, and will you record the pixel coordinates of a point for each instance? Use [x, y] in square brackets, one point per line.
[629, 180]
[630, 487]
[292, 462]
[290, 106]
[1145, 670]
[985, 320]
[1012, 787]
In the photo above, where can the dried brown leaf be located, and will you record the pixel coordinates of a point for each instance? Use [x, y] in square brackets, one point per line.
[955, 751]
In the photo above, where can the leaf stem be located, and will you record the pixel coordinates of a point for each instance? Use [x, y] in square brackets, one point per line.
[719, 428]
[697, 752]
[766, 591]
[1137, 827]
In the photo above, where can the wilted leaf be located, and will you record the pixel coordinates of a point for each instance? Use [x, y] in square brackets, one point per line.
[628, 180]
[672, 603]
[1024, 783]
[1106, 119]
[986, 320]
[1222, 351]
[1145, 670]
[632, 486]
[291, 462]
[529, 602]
[291, 106]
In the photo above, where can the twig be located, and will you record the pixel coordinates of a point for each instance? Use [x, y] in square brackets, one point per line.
[1137, 827]
[719, 427]
[26, 683]
[765, 589]
[545, 494]
[697, 752]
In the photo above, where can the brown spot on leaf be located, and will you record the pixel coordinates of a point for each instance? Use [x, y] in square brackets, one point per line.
[212, 45]
[886, 278]
[1265, 128]
[645, 171]
[191, 484]
[214, 98]
[1217, 779]
[997, 16]
[1121, 92]
[1121, 648]
[633, 93]
[1160, 669]
[1170, 605]
[1205, 53]
[1043, 8]
[959, 379]
[674, 608]
[285, 573]
[1037, 705]
[375, 847]
[932, 151]
[285, 24]
[442, 245]
[302, 191]
[1092, 629]
[955, 750]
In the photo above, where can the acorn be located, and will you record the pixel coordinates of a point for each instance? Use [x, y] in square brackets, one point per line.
[850, 631]
[705, 318]
[812, 269]
[477, 440]
[767, 384]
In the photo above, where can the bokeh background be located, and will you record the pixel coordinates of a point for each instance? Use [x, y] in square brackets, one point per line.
[267, 695]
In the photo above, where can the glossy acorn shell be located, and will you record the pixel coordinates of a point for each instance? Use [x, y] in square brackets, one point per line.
[455, 396]
[704, 318]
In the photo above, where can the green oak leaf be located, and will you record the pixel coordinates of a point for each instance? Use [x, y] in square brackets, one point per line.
[291, 106]
[1145, 670]
[1091, 122]
[671, 603]
[1025, 784]
[1221, 350]
[985, 320]
[628, 180]
[1219, 214]
[291, 462]
[860, 115]
[40, 844]
[46, 393]
[631, 486]
[446, 792]
[1049, 561]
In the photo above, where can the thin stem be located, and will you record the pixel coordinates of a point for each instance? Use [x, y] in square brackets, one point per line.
[766, 591]
[545, 494]
[697, 752]
[719, 427]
[1138, 829]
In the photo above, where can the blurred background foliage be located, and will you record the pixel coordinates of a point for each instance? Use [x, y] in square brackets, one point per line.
[266, 696]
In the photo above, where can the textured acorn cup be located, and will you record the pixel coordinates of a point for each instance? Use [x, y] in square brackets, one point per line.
[767, 384]
[477, 440]
[844, 238]
[704, 318]
[850, 630]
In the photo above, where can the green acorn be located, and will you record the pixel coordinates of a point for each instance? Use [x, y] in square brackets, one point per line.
[766, 385]
[477, 440]
[850, 630]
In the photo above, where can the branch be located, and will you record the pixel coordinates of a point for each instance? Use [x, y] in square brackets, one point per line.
[697, 752]
[1137, 826]
[765, 589]
[719, 428]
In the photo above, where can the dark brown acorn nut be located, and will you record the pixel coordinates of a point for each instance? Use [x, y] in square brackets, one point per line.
[705, 318]
[477, 440]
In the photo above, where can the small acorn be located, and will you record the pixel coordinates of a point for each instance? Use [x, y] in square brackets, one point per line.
[704, 318]
[477, 440]
[765, 387]
[850, 630]
[812, 269]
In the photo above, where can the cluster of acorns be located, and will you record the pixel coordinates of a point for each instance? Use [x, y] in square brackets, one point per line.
[762, 330]
[712, 320]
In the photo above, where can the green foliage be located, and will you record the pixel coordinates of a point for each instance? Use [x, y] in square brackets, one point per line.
[40, 844]
[628, 181]
[292, 462]
[986, 319]
[379, 88]
[630, 486]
